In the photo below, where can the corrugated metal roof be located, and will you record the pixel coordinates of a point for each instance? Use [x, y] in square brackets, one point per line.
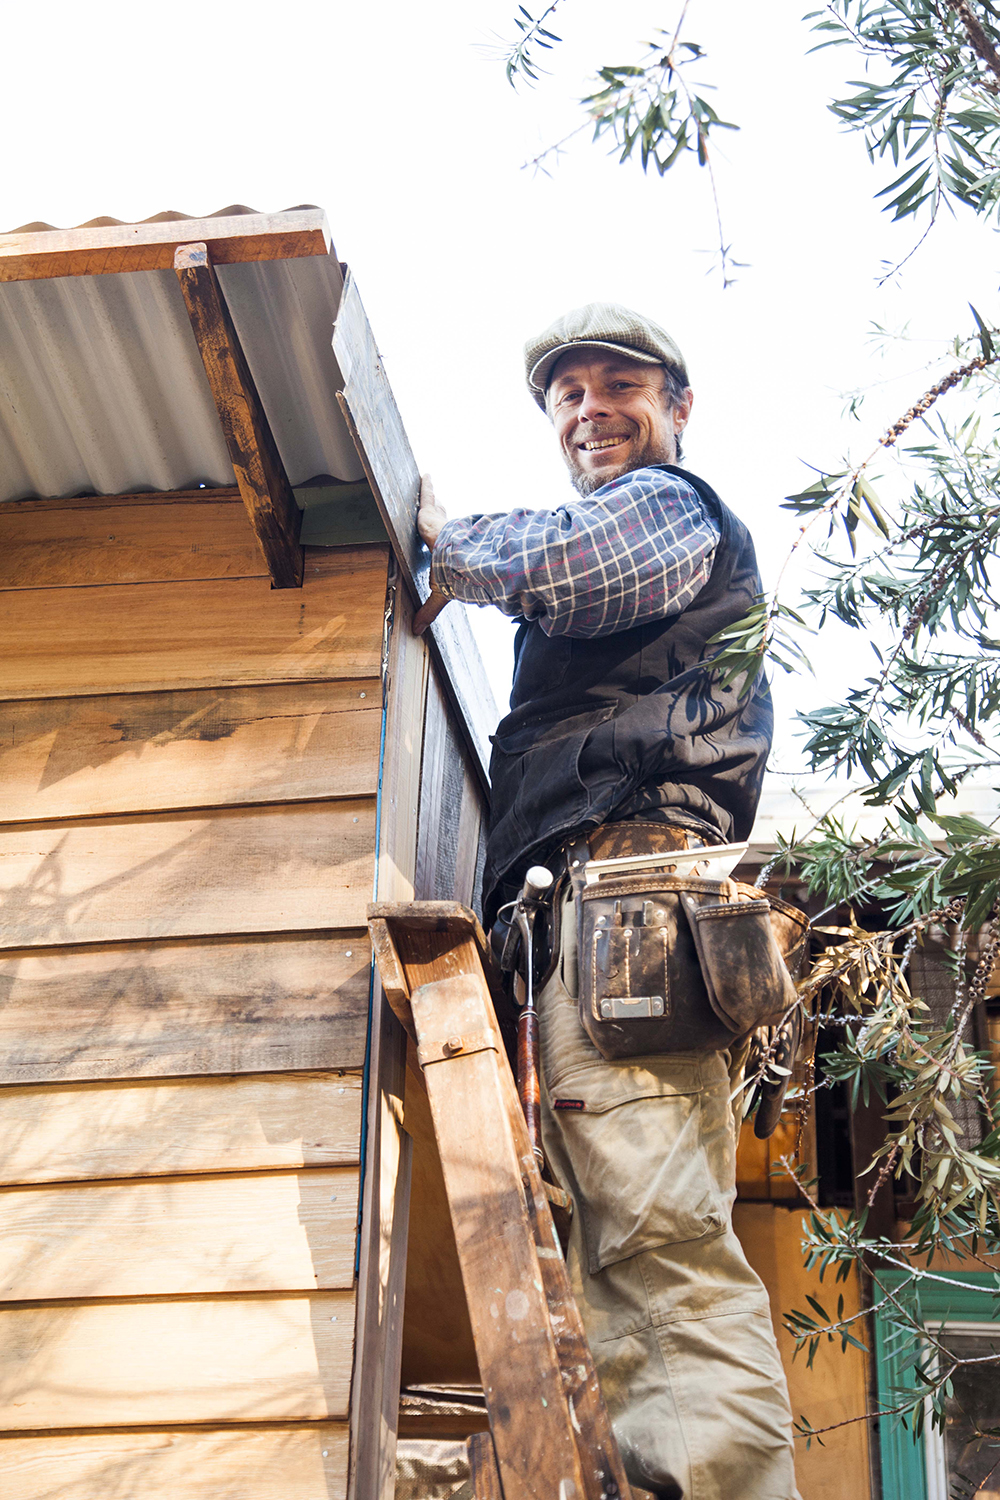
[102, 388]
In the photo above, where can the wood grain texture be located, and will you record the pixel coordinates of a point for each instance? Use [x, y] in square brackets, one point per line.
[80, 1132]
[382, 1268]
[173, 1008]
[205, 633]
[150, 247]
[438, 1347]
[483, 1464]
[496, 1163]
[285, 868]
[151, 752]
[373, 417]
[406, 706]
[536, 1446]
[426, 883]
[169, 1236]
[385, 1216]
[307, 1461]
[107, 1364]
[447, 863]
[260, 474]
[188, 534]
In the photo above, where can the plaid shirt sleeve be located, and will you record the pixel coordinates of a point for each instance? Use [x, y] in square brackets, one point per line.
[638, 549]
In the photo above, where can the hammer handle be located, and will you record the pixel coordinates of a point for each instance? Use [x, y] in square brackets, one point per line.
[528, 1086]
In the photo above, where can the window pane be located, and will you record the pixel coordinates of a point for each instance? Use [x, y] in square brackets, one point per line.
[974, 1406]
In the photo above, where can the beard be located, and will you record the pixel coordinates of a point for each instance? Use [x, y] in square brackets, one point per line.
[585, 482]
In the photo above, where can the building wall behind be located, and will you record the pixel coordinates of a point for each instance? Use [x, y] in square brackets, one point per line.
[189, 762]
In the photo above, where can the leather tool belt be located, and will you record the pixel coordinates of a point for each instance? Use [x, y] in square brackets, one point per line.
[676, 964]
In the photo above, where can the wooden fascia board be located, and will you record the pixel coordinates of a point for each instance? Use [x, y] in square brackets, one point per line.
[377, 429]
[151, 247]
[260, 473]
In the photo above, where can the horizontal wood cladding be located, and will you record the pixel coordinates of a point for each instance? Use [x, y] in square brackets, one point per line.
[167, 1236]
[187, 534]
[258, 1005]
[209, 747]
[306, 1461]
[80, 1132]
[288, 868]
[65, 642]
[105, 1364]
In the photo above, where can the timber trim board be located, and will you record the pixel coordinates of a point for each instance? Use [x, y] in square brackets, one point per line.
[260, 473]
[150, 247]
[222, 494]
[376, 426]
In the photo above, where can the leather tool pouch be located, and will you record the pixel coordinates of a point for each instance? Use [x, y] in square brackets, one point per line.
[681, 965]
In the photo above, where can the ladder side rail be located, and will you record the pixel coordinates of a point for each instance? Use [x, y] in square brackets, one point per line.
[422, 940]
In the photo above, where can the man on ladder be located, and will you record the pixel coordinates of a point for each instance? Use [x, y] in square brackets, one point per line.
[622, 742]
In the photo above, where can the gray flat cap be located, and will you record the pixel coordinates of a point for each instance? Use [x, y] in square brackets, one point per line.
[599, 325]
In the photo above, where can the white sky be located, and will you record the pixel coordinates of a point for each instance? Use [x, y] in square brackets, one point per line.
[391, 117]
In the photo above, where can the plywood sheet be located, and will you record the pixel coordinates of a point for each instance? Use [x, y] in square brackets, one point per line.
[275, 869]
[74, 1132]
[186, 534]
[63, 642]
[307, 1461]
[139, 752]
[105, 1364]
[207, 1005]
[166, 1236]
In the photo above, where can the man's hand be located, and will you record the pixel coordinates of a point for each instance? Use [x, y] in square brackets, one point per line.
[430, 518]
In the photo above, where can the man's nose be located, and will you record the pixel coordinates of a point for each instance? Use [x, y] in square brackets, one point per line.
[595, 406]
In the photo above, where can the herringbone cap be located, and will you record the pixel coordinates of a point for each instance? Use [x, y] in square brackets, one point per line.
[599, 325]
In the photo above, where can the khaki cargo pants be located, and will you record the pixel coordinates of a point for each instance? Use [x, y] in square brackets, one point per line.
[677, 1321]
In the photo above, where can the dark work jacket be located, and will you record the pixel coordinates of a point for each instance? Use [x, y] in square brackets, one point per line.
[633, 724]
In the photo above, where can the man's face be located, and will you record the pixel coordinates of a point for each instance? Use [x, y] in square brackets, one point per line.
[611, 416]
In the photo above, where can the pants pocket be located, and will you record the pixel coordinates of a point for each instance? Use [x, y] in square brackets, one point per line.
[637, 1151]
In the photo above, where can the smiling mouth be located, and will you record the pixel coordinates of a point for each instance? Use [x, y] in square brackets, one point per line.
[607, 442]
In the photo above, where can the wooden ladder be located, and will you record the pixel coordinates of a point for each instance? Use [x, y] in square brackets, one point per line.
[550, 1435]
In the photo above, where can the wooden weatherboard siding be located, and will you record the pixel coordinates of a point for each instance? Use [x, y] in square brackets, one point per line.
[303, 1461]
[196, 633]
[208, 747]
[205, 1359]
[174, 1236]
[187, 847]
[127, 539]
[248, 869]
[184, 1006]
[161, 1127]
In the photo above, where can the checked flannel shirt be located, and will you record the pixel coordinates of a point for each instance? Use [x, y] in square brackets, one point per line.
[638, 549]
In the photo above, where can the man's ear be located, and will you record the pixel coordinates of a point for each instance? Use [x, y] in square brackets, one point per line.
[683, 409]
